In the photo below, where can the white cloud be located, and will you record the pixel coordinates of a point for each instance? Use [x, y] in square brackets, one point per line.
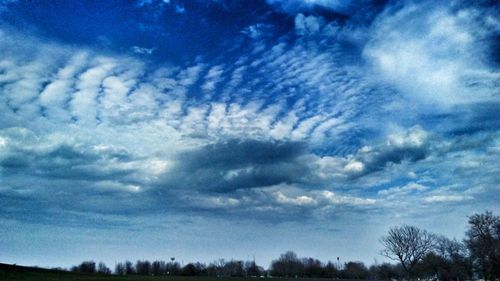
[3, 142]
[332, 198]
[446, 198]
[301, 200]
[414, 137]
[403, 190]
[89, 84]
[212, 78]
[434, 53]
[142, 50]
[308, 25]
[354, 166]
[257, 31]
[117, 186]
[135, 119]
[218, 202]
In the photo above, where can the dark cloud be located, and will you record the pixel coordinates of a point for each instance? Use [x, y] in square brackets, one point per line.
[237, 164]
[238, 153]
[411, 146]
[381, 158]
[64, 161]
[475, 119]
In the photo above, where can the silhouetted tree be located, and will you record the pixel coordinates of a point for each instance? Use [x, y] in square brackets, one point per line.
[312, 267]
[385, 271]
[158, 268]
[455, 262]
[173, 268]
[252, 269]
[103, 269]
[286, 265]
[330, 270]
[129, 268]
[483, 242]
[432, 266]
[143, 267]
[233, 268]
[355, 270]
[216, 268]
[120, 269]
[190, 269]
[85, 267]
[408, 245]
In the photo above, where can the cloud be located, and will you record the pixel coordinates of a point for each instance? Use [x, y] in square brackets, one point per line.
[236, 164]
[282, 202]
[436, 53]
[258, 30]
[242, 164]
[403, 190]
[53, 157]
[290, 124]
[411, 146]
[180, 9]
[308, 25]
[212, 78]
[446, 198]
[142, 50]
[294, 6]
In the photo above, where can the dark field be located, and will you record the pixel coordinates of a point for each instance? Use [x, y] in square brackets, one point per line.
[10, 272]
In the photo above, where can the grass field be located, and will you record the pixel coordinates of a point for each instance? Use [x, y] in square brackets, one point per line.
[15, 273]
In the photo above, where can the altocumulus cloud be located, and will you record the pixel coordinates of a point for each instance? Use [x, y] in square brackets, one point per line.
[106, 127]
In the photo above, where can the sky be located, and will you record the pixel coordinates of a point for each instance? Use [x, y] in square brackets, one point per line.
[230, 129]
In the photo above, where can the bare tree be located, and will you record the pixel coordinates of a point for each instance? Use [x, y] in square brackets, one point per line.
[408, 245]
[288, 265]
[386, 271]
[103, 269]
[143, 267]
[454, 254]
[483, 242]
[129, 268]
[312, 267]
[355, 270]
[120, 269]
[173, 268]
[252, 269]
[330, 270]
[234, 268]
[85, 267]
[158, 268]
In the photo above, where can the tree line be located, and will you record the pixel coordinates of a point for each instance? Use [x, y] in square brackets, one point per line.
[422, 254]
[219, 268]
[419, 255]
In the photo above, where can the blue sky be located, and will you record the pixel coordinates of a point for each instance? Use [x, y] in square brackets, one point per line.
[227, 129]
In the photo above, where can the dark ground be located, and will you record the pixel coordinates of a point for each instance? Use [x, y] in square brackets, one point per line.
[15, 272]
